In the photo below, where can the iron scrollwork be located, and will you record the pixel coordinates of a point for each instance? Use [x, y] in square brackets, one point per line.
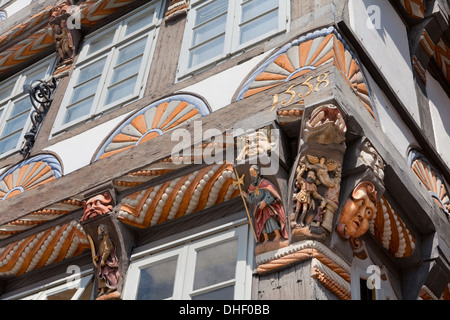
[41, 96]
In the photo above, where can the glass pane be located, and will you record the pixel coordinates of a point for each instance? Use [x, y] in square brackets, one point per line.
[126, 70]
[157, 281]
[259, 27]
[10, 142]
[85, 90]
[207, 51]
[215, 264]
[209, 30]
[131, 51]
[86, 295]
[78, 110]
[254, 8]
[21, 106]
[36, 75]
[65, 295]
[210, 11]
[6, 91]
[139, 23]
[91, 71]
[121, 90]
[103, 41]
[226, 293]
[15, 124]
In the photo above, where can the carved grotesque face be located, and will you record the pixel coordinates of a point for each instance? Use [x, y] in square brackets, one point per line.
[254, 144]
[97, 205]
[358, 211]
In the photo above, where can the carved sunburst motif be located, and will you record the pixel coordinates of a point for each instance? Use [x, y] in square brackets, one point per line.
[431, 180]
[152, 121]
[29, 174]
[305, 55]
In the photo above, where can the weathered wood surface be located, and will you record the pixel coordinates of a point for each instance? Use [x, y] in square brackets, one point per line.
[105, 170]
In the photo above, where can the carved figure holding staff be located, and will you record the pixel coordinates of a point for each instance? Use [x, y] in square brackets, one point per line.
[268, 213]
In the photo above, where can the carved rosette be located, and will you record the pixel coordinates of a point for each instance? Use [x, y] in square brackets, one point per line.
[316, 176]
[110, 244]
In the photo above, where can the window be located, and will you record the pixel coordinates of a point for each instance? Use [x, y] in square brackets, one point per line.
[66, 289]
[219, 28]
[213, 267]
[15, 105]
[112, 67]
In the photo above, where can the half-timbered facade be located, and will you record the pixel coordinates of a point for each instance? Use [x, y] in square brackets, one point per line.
[224, 149]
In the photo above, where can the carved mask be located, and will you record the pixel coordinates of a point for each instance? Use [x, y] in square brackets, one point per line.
[358, 211]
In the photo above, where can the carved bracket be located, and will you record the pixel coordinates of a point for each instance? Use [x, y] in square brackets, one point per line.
[110, 244]
[316, 176]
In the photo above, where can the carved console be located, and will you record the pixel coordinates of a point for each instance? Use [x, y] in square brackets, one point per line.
[316, 176]
[110, 243]
[364, 169]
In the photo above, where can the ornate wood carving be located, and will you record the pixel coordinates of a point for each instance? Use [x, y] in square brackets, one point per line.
[316, 176]
[110, 244]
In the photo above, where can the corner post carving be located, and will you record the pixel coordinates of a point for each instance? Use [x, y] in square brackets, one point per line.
[110, 244]
[316, 176]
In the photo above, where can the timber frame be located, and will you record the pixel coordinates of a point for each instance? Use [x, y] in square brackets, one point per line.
[418, 212]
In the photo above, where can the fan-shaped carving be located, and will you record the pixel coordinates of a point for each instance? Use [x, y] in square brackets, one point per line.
[29, 174]
[153, 121]
[431, 179]
[304, 55]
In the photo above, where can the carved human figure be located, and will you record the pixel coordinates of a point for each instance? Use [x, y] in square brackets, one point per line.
[268, 213]
[358, 211]
[106, 262]
[63, 41]
[305, 197]
[97, 206]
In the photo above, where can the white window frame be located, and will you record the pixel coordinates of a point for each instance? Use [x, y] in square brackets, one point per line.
[17, 93]
[55, 287]
[186, 250]
[231, 45]
[111, 52]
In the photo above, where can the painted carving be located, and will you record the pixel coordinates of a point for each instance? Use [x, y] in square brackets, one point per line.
[370, 158]
[357, 212]
[106, 262]
[326, 126]
[268, 210]
[254, 144]
[61, 33]
[312, 173]
[316, 184]
[97, 206]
